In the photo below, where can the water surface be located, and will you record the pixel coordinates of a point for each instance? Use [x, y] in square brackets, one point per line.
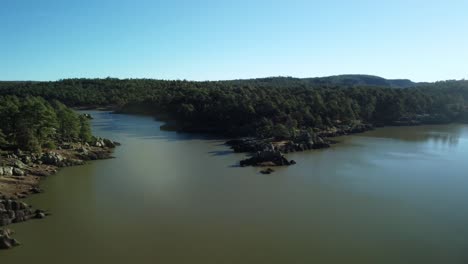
[393, 195]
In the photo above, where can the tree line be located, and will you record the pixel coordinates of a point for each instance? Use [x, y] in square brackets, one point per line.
[32, 123]
[278, 107]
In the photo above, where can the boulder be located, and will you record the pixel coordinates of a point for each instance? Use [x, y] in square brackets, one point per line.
[35, 190]
[7, 171]
[267, 171]
[52, 158]
[6, 241]
[18, 172]
[108, 143]
[88, 116]
[39, 214]
[99, 143]
[83, 150]
[15, 211]
[19, 164]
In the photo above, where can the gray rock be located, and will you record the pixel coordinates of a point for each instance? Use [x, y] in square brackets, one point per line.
[52, 158]
[8, 171]
[19, 164]
[18, 172]
[6, 241]
[108, 143]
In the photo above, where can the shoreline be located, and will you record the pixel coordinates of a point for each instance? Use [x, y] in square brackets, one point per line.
[25, 170]
[21, 174]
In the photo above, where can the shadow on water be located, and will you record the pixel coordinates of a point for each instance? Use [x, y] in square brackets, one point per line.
[138, 127]
[447, 135]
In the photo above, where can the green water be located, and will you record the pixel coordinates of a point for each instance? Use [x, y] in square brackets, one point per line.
[394, 195]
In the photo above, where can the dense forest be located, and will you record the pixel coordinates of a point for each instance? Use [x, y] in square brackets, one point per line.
[32, 123]
[279, 107]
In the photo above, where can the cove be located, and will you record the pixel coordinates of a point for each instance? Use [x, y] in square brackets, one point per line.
[392, 195]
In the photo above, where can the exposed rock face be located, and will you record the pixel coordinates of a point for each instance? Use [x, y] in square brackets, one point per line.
[6, 241]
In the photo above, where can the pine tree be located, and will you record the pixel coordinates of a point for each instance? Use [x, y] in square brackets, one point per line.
[85, 129]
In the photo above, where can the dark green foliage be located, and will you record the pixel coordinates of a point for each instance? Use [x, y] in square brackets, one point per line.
[68, 122]
[269, 107]
[31, 123]
[85, 134]
[3, 141]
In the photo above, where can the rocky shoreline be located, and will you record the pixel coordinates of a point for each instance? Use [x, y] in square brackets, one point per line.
[15, 211]
[270, 152]
[21, 172]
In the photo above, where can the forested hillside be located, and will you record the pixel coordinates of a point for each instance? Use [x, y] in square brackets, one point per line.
[32, 123]
[267, 107]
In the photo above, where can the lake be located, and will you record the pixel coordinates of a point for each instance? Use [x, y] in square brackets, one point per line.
[393, 195]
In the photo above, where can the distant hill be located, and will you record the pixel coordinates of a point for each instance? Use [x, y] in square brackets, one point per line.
[349, 80]
[361, 80]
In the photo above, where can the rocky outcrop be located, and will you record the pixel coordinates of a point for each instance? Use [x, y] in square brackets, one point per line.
[303, 142]
[267, 171]
[15, 211]
[52, 158]
[105, 143]
[6, 241]
[266, 158]
[6, 171]
[20, 171]
[273, 148]
[11, 171]
[249, 144]
[342, 130]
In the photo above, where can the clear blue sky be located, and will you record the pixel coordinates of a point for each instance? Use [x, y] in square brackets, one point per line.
[214, 39]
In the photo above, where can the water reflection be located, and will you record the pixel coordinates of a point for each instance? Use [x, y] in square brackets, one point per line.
[141, 127]
[448, 135]
[393, 195]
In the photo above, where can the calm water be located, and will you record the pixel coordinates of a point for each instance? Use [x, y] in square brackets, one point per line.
[394, 195]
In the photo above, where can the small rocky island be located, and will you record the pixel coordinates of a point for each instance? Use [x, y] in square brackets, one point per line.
[270, 152]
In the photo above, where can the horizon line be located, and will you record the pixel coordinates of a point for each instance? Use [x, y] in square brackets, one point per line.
[226, 80]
